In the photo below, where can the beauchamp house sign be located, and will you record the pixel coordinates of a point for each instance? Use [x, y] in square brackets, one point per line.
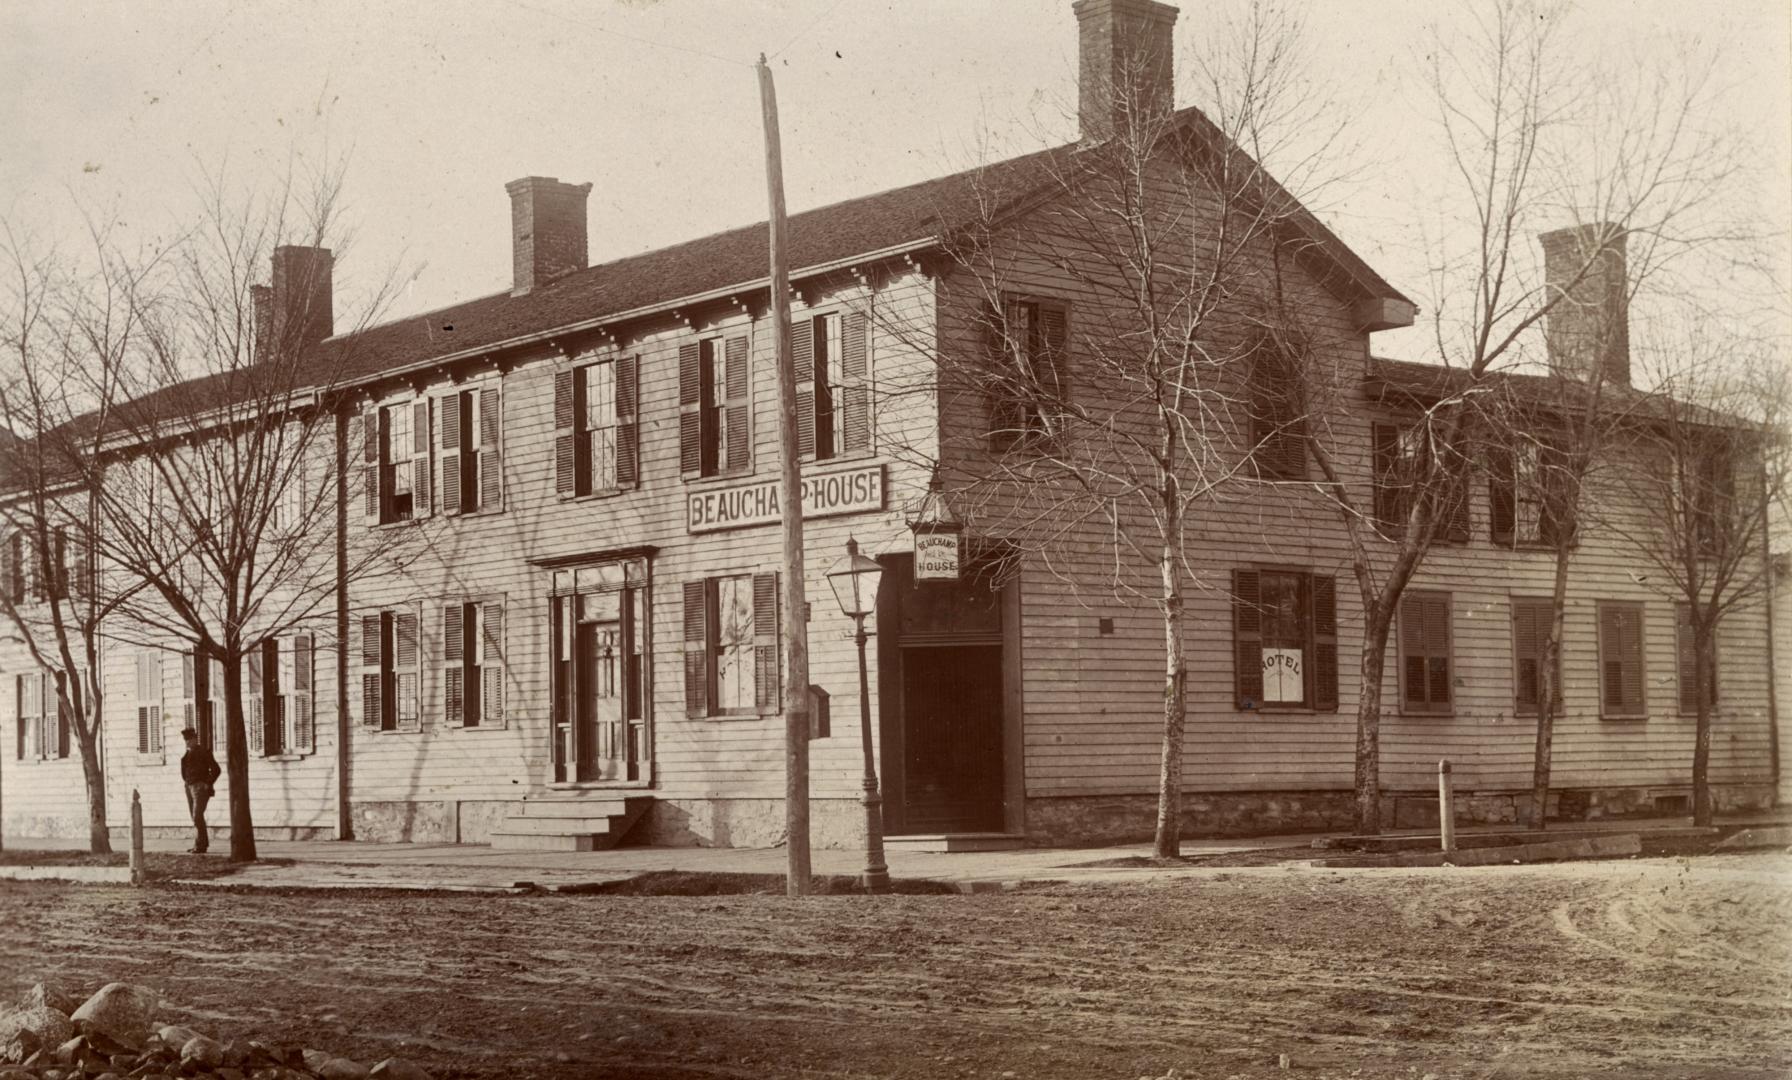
[827, 495]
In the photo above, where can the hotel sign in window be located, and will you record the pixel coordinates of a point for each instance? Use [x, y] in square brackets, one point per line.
[1285, 640]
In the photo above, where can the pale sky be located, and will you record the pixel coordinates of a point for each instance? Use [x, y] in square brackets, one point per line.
[119, 107]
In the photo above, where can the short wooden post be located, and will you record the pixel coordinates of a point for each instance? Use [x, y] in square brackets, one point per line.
[136, 837]
[1446, 805]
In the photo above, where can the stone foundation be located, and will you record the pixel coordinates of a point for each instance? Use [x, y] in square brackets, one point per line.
[440, 821]
[833, 823]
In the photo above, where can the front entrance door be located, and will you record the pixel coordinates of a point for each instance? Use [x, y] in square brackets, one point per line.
[952, 752]
[599, 739]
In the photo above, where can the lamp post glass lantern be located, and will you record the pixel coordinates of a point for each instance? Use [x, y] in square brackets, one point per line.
[854, 580]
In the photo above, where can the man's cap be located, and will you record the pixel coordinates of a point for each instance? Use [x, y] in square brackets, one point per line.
[188, 731]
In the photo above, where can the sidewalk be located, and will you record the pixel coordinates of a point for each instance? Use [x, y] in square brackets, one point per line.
[472, 867]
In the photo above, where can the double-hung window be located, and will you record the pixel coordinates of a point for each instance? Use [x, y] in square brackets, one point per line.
[1425, 678]
[714, 392]
[149, 702]
[396, 462]
[1025, 381]
[832, 395]
[1278, 403]
[470, 432]
[281, 707]
[473, 663]
[1404, 470]
[390, 674]
[596, 441]
[1621, 675]
[1528, 493]
[42, 723]
[1285, 639]
[731, 645]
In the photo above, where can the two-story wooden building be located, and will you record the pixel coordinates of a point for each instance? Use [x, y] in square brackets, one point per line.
[583, 636]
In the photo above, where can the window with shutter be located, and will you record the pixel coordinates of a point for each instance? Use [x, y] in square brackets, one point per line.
[1687, 663]
[766, 676]
[405, 672]
[257, 707]
[400, 481]
[1284, 640]
[734, 633]
[54, 687]
[696, 648]
[1530, 630]
[454, 664]
[1425, 679]
[149, 702]
[1529, 489]
[372, 439]
[452, 409]
[737, 437]
[810, 404]
[1026, 385]
[18, 714]
[1278, 413]
[491, 663]
[489, 451]
[1621, 676]
[375, 638]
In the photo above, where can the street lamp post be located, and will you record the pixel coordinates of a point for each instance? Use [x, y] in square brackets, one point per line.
[854, 580]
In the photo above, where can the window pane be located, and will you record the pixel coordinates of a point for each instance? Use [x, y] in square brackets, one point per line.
[1284, 639]
[734, 642]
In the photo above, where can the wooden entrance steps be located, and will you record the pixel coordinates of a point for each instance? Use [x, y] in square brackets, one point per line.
[580, 822]
[965, 841]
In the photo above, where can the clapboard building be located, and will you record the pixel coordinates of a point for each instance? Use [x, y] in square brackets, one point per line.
[583, 641]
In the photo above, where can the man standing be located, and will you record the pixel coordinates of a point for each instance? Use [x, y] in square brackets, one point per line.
[199, 771]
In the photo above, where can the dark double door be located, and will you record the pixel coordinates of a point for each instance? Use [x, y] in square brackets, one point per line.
[599, 714]
[944, 703]
[952, 752]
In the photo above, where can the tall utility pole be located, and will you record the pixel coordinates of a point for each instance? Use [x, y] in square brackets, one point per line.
[794, 626]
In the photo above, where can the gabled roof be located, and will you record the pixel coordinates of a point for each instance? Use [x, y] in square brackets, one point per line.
[902, 219]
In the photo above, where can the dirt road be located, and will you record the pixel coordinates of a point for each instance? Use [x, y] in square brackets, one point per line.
[1638, 968]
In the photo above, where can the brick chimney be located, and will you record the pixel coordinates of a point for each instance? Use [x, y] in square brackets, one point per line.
[1588, 329]
[547, 230]
[1127, 63]
[300, 300]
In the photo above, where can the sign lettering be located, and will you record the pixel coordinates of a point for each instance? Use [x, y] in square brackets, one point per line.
[827, 495]
[1282, 677]
[936, 556]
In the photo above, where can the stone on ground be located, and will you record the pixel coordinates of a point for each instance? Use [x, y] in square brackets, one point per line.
[124, 1011]
[25, 1031]
[314, 1059]
[203, 1052]
[342, 1069]
[397, 1068]
[50, 995]
[175, 1035]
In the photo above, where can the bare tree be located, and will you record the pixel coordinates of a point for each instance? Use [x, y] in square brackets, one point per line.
[1709, 463]
[214, 452]
[1532, 136]
[1097, 306]
[49, 596]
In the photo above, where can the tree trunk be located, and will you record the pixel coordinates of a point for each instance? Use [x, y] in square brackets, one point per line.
[99, 837]
[236, 763]
[1701, 747]
[1548, 664]
[1169, 783]
[1368, 723]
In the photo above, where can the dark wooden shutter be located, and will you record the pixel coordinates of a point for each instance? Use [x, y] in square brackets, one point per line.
[565, 452]
[1620, 660]
[802, 353]
[1529, 625]
[690, 408]
[370, 464]
[451, 465]
[420, 469]
[62, 715]
[1388, 488]
[628, 439]
[736, 368]
[766, 678]
[491, 670]
[696, 648]
[856, 396]
[491, 435]
[255, 688]
[304, 729]
[372, 690]
[1049, 366]
[18, 713]
[1247, 639]
[1325, 643]
[1688, 657]
[1502, 499]
[454, 704]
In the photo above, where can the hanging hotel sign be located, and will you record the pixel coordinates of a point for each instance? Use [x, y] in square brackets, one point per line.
[827, 495]
[936, 556]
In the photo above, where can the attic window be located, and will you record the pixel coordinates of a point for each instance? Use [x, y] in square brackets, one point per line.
[448, 326]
